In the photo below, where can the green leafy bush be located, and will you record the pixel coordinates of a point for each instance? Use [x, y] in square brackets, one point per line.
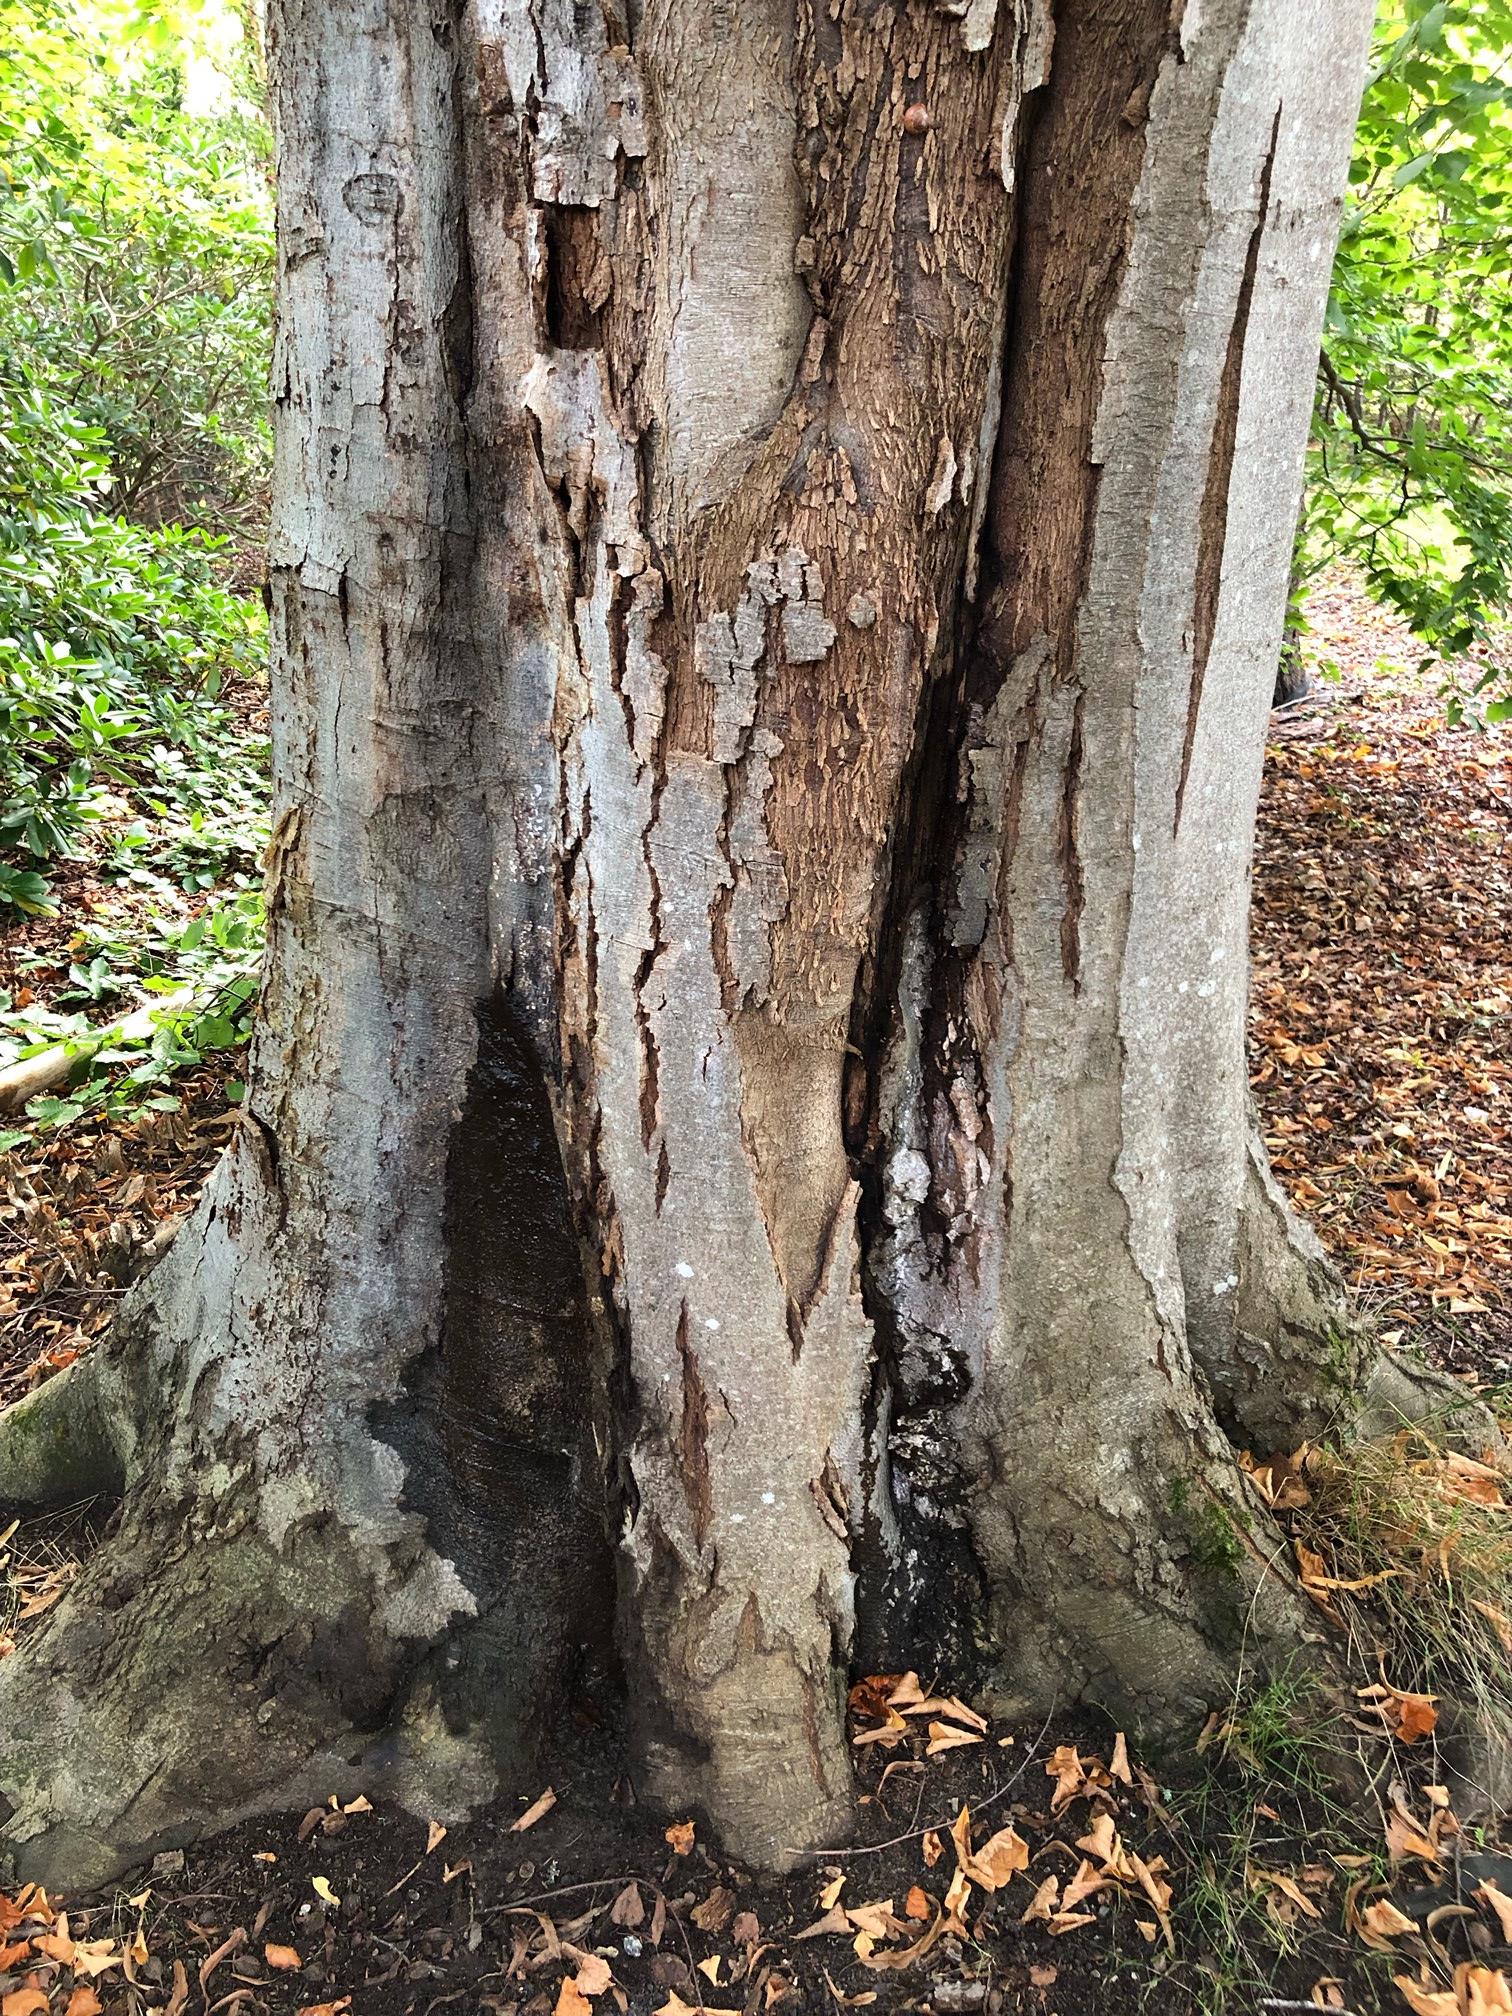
[135, 253]
[1412, 441]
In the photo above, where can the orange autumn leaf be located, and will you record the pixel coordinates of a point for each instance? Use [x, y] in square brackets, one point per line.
[1416, 1716]
[679, 1837]
[281, 1956]
[917, 1903]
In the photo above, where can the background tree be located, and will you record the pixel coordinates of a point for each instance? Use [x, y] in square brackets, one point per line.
[781, 527]
[1410, 459]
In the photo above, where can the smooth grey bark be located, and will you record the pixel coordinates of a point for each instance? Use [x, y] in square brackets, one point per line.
[779, 555]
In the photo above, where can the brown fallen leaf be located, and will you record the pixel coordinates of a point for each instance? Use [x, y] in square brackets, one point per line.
[282, 1956]
[1501, 1904]
[918, 1903]
[24, 2002]
[861, 2001]
[945, 1736]
[1477, 1991]
[628, 1908]
[435, 1834]
[716, 1910]
[834, 1920]
[83, 2002]
[675, 2006]
[1042, 1903]
[933, 1848]
[536, 1810]
[896, 1958]
[679, 1837]
[956, 1899]
[327, 2008]
[178, 2001]
[571, 2001]
[1385, 1920]
[1404, 1838]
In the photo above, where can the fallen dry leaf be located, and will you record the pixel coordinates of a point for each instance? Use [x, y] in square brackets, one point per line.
[1385, 1920]
[945, 1736]
[628, 1909]
[282, 1957]
[435, 1834]
[1501, 1904]
[83, 2002]
[536, 1810]
[679, 1837]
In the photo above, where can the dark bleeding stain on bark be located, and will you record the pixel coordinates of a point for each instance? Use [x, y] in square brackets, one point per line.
[1212, 524]
[515, 1350]
[693, 1438]
[493, 1425]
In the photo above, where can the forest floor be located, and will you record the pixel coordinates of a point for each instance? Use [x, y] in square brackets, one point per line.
[996, 1869]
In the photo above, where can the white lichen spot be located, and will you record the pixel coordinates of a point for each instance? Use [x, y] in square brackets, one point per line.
[737, 1518]
[1225, 1287]
[684, 1270]
[711, 1322]
[769, 1497]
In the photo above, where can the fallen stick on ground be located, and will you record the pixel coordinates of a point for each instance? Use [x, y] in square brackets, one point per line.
[30, 1075]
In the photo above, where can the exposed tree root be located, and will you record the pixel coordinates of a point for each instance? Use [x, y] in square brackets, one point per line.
[56, 1444]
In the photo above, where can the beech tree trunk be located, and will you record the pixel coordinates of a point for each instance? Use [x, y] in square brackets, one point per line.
[781, 533]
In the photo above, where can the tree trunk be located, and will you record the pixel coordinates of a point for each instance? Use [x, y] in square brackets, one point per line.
[781, 533]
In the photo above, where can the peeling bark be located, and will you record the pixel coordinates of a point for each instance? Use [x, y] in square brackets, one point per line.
[781, 544]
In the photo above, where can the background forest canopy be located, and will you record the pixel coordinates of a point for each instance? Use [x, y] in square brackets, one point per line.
[136, 265]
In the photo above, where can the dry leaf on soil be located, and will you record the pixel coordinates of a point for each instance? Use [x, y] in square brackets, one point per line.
[536, 1810]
